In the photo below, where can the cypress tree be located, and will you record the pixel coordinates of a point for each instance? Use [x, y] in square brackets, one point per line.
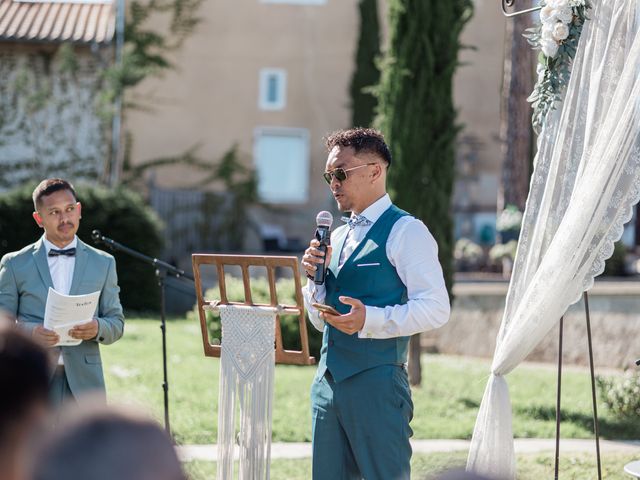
[417, 116]
[416, 111]
[366, 74]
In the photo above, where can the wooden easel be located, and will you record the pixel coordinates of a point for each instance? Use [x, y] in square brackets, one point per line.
[244, 262]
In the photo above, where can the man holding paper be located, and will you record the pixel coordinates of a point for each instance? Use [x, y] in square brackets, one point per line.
[73, 271]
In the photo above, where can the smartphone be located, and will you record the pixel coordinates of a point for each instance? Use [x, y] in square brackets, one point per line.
[325, 308]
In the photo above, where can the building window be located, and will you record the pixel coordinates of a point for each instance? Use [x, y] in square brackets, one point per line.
[273, 89]
[282, 164]
[296, 2]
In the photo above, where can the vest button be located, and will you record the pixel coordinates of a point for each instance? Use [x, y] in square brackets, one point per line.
[337, 289]
[331, 343]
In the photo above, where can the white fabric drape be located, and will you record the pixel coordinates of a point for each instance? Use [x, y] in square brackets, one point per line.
[584, 185]
[247, 366]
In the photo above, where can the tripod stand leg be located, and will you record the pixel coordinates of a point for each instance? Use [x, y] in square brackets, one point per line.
[163, 327]
[593, 385]
[558, 396]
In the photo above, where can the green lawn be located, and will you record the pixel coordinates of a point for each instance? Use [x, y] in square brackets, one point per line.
[530, 467]
[445, 406]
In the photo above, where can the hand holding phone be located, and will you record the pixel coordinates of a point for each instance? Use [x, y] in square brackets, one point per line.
[325, 308]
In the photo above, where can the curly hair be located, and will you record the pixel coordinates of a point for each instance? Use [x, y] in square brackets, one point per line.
[367, 140]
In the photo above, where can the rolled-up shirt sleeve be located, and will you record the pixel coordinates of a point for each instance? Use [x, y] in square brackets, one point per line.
[313, 293]
[413, 251]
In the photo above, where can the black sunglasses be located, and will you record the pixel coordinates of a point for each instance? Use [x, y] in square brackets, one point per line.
[341, 173]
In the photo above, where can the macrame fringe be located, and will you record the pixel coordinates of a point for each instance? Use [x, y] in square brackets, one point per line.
[247, 370]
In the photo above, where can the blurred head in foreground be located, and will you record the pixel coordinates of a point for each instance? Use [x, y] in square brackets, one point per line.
[24, 377]
[103, 443]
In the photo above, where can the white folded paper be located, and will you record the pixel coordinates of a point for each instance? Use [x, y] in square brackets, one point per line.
[63, 312]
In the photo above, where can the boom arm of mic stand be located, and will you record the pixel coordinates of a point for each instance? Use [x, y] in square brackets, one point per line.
[159, 264]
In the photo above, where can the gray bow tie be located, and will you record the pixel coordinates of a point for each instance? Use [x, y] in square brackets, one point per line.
[357, 221]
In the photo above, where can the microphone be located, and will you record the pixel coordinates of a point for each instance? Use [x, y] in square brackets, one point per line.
[99, 238]
[323, 235]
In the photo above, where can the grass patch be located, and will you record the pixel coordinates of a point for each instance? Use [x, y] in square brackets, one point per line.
[426, 466]
[445, 406]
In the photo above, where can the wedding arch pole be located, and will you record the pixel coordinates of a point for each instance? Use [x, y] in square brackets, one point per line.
[506, 4]
[596, 428]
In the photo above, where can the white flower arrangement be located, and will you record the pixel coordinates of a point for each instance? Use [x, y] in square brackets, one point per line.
[468, 255]
[504, 250]
[509, 219]
[556, 36]
[468, 251]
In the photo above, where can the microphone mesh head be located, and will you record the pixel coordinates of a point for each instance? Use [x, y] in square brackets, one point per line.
[324, 219]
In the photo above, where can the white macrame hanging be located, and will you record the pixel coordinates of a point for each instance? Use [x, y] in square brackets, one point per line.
[247, 367]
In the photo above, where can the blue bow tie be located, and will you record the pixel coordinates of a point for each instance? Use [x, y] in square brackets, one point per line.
[357, 221]
[69, 252]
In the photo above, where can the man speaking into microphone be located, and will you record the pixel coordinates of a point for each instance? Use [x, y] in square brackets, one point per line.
[384, 279]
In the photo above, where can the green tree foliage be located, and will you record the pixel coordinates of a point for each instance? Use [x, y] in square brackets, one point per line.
[416, 111]
[615, 265]
[621, 395]
[39, 89]
[119, 214]
[366, 74]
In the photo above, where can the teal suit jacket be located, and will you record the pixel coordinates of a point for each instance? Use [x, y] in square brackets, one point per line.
[24, 285]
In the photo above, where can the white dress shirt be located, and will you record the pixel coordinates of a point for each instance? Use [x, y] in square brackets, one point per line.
[61, 269]
[413, 252]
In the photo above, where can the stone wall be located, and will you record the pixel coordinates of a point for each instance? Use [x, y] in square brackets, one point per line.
[54, 118]
[615, 325]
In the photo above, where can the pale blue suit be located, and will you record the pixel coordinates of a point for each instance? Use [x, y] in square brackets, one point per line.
[24, 284]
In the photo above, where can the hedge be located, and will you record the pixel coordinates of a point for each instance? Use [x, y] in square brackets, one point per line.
[118, 213]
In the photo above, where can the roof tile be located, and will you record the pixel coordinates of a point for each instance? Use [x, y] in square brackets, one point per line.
[57, 21]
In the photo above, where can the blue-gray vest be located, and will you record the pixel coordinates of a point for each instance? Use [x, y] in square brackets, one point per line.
[368, 276]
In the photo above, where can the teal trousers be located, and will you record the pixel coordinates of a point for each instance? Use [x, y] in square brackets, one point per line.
[361, 425]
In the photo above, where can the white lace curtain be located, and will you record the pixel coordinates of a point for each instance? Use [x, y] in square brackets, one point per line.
[584, 185]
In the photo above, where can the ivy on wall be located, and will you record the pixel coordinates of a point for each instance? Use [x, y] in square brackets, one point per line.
[50, 121]
[57, 100]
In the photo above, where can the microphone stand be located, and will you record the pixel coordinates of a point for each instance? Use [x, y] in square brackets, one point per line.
[162, 269]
